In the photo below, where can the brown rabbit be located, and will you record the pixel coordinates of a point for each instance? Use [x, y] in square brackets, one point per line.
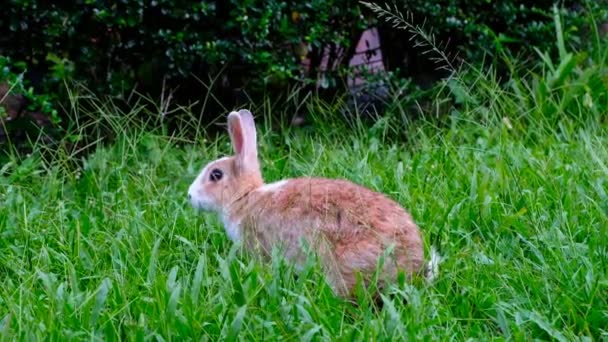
[348, 226]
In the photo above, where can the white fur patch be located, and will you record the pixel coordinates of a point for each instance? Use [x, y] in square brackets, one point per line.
[198, 198]
[272, 187]
[433, 265]
[203, 203]
[232, 228]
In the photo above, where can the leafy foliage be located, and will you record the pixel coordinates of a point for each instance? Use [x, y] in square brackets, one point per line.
[238, 49]
[116, 44]
[479, 29]
[113, 46]
[11, 74]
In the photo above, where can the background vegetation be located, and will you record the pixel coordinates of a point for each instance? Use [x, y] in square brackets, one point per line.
[239, 50]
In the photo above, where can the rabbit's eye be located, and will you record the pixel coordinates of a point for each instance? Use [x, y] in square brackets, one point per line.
[215, 175]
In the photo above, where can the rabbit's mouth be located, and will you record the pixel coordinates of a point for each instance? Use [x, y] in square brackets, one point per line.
[201, 204]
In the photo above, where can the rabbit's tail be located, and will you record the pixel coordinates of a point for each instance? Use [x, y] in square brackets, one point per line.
[432, 267]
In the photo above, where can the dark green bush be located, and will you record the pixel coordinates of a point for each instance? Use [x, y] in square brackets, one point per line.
[11, 75]
[113, 46]
[22, 110]
[116, 44]
[488, 31]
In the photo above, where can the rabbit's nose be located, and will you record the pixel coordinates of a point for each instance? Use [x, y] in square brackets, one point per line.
[189, 196]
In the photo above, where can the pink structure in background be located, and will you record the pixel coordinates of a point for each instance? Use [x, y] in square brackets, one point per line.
[366, 59]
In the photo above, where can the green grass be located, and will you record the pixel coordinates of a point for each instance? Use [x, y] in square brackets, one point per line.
[512, 187]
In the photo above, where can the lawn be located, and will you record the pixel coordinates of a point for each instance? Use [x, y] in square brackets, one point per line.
[511, 187]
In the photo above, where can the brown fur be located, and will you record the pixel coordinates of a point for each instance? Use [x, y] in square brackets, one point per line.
[356, 225]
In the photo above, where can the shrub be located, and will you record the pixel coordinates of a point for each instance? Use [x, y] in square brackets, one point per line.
[483, 31]
[21, 109]
[114, 46]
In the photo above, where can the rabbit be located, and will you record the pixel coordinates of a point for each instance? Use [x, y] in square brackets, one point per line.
[348, 226]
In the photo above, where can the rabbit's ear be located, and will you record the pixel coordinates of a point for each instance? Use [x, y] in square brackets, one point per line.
[244, 141]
